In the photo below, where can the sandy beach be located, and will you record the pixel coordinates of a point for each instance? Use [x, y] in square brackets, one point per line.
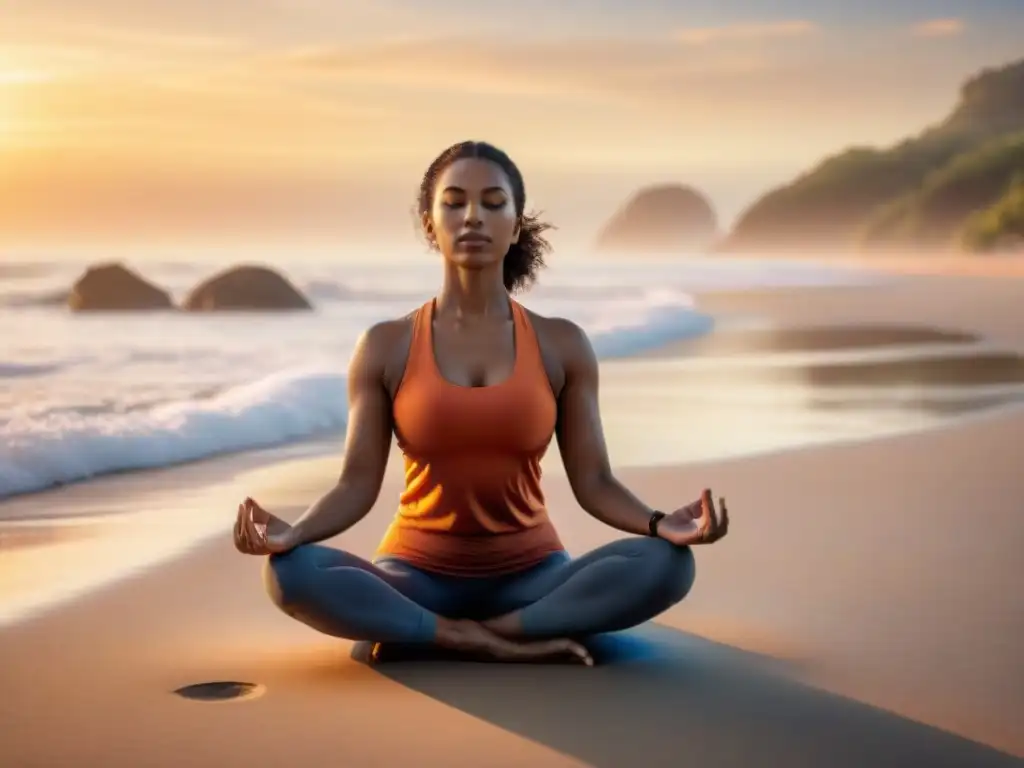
[865, 610]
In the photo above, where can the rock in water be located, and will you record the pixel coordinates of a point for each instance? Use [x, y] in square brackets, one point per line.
[246, 288]
[112, 287]
[665, 218]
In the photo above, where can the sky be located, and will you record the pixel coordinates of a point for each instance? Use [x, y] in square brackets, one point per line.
[194, 121]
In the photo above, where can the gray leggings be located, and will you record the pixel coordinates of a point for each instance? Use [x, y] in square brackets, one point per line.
[614, 587]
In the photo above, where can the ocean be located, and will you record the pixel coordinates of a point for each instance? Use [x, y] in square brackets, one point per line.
[84, 396]
[101, 395]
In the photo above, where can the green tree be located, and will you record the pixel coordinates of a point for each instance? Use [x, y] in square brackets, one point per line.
[869, 190]
[933, 214]
[1001, 225]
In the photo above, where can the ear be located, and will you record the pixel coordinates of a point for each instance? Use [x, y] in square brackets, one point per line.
[428, 227]
[517, 231]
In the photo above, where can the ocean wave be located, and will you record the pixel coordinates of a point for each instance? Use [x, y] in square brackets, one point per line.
[33, 298]
[285, 407]
[280, 408]
[25, 370]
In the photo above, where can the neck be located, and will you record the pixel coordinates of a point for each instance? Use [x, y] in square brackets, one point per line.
[472, 292]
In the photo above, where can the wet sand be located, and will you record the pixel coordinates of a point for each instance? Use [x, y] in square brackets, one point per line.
[865, 610]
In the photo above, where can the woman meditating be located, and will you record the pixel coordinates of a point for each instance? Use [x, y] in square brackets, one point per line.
[474, 386]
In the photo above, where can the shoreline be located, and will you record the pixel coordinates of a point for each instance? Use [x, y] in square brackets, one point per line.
[725, 338]
[93, 515]
[763, 350]
[109, 539]
[204, 471]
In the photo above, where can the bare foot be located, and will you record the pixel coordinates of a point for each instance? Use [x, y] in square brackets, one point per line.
[474, 638]
[507, 626]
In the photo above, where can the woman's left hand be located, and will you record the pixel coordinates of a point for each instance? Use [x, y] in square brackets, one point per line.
[696, 523]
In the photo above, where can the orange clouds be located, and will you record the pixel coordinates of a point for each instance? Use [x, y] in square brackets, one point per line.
[746, 32]
[126, 124]
[949, 27]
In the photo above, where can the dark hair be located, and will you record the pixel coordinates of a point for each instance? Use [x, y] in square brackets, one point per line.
[524, 258]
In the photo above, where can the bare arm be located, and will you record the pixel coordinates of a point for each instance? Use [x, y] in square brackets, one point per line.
[581, 439]
[367, 443]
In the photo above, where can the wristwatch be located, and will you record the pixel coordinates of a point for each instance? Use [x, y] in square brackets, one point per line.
[652, 524]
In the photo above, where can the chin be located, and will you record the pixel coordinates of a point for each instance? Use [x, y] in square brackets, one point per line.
[474, 259]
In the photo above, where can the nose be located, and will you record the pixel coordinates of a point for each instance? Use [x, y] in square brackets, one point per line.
[472, 219]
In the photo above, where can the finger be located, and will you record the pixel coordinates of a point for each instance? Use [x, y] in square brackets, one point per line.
[724, 510]
[693, 509]
[260, 515]
[716, 512]
[240, 531]
[709, 524]
[259, 529]
[704, 515]
[251, 507]
[252, 534]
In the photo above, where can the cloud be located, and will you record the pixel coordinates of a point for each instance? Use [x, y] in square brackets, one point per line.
[745, 32]
[20, 77]
[141, 37]
[949, 27]
[80, 51]
[342, 101]
[201, 25]
[581, 69]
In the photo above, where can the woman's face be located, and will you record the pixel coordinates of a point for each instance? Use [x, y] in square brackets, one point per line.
[473, 219]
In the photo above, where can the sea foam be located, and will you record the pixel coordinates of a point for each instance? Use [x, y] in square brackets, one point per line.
[291, 404]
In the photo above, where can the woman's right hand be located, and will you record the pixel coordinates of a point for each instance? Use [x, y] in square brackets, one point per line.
[257, 532]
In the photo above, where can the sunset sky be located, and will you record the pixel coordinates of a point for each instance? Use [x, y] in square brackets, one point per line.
[189, 119]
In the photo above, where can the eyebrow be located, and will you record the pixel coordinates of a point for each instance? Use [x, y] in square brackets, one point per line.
[460, 189]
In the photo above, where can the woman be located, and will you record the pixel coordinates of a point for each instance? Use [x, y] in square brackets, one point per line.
[474, 386]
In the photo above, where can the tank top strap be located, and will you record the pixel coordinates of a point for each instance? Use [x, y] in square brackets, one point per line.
[528, 356]
[421, 353]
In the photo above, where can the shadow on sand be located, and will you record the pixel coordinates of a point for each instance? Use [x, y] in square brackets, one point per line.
[663, 697]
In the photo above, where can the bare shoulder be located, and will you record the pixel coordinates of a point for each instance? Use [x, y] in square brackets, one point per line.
[383, 348]
[384, 335]
[564, 338]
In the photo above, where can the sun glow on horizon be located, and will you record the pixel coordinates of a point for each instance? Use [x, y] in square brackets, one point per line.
[273, 118]
[11, 110]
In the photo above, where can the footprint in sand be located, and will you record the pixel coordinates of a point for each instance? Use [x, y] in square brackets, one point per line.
[221, 690]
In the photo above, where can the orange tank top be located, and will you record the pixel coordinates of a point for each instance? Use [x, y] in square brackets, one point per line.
[472, 503]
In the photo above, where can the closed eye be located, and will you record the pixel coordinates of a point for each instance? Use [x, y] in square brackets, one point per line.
[491, 205]
[493, 198]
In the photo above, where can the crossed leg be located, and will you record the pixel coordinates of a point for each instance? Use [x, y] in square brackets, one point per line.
[345, 596]
[611, 588]
[391, 602]
[614, 587]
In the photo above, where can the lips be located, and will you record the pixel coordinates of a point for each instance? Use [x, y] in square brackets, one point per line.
[473, 237]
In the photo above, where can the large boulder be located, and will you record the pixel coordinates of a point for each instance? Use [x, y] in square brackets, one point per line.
[665, 218]
[245, 288]
[112, 287]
